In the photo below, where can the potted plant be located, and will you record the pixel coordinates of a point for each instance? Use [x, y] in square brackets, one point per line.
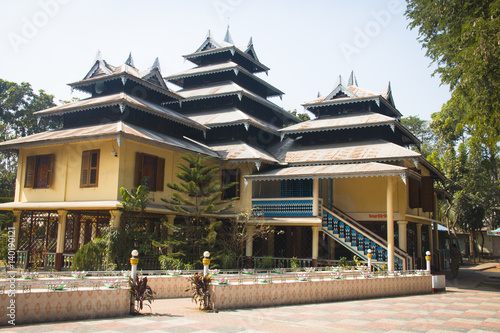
[56, 286]
[213, 271]
[141, 292]
[200, 290]
[263, 279]
[126, 274]
[302, 277]
[174, 272]
[222, 280]
[79, 275]
[337, 276]
[367, 275]
[309, 269]
[112, 284]
[247, 271]
[279, 270]
[29, 275]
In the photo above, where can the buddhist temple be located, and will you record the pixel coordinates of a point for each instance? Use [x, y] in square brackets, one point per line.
[344, 183]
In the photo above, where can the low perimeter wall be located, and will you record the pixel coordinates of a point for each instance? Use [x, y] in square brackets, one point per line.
[249, 295]
[42, 306]
[169, 286]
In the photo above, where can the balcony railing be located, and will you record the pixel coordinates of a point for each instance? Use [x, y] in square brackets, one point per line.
[280, 207]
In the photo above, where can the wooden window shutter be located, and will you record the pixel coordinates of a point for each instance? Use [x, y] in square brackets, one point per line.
[85, 168]
[138, 169]
[94, 167]
[427, 194]
[29, 180]
[414, 193]
[160, 174]
[50, 171]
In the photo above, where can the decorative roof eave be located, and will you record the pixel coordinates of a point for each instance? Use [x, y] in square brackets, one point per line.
[233, 49]
[401, 172]
[392, 124]
[284, 130]
[124, 76]
[122, 103]
[347, 100]
[246, 124]
[415, 160]
[236, 68]
[114, 132]
[240, 95]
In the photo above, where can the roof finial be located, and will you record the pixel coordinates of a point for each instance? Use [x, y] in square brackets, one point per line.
[98, 56]
[209, 34]
[389, 89]
[228, 38]
[129, 60]
[339, 81]
[319, 94]
[353, 81]
[250, 42]
[156, 64]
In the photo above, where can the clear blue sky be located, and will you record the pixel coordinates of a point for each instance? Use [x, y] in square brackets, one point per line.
[307, 44]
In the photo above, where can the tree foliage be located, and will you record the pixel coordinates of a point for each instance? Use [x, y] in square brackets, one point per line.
[462, 38]
[302, 116]
[197, 196]
[18, 102]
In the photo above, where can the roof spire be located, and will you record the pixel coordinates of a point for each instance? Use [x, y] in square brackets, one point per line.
[228, 38]
[156, 64]
[209, 34]
[98, 56]
[339, 81]
[389, 89]
[250, 42]
[353, 81]
[319, 94]
[129, 60]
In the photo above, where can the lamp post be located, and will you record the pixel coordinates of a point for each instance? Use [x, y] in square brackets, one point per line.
[369, 255]
[206, 262]
[133, 262]
[428, 259]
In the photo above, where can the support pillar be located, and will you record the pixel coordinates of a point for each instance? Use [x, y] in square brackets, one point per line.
[61, 232]
[170, 231]
[431, 238]
[116, 216]
[17, 226]
[315, 196]
[315, 245]
[249, 244]
[390, 225]
[403, 235]
[270, 244]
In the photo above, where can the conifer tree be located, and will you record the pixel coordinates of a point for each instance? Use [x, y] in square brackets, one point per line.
[197, 196]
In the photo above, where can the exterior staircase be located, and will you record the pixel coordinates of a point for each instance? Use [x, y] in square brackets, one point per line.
[358, 239]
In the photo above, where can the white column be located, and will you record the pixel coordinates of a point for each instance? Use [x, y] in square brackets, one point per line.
[116, 216]
[249, 243]
[390, 225]
[315, 196]
[315, 245]
[61, 230]
[403, 242]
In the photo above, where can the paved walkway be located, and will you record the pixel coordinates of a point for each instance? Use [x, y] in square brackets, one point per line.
[466, 306]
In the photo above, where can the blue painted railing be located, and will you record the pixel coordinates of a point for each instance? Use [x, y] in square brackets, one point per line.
[283, 207]
[358, 239]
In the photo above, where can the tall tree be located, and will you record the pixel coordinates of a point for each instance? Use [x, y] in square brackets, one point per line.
[461, 37]
[422, 130]
[197, 196]
[18, 102]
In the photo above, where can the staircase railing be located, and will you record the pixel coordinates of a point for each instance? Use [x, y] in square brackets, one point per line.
[358, 239]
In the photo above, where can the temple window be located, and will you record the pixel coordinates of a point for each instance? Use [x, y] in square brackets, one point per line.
[90, 168]
[230, 176]
[39, 171]
[152, 167]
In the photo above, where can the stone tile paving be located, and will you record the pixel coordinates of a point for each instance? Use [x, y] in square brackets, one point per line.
[456, 310]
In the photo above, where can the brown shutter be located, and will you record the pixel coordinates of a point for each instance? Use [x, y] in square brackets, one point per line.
[50, 171]
[160, 174]
[427, 194]
[85, 168]
[138, 169]
[29, 180]
[414, 192]
[94, 167]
